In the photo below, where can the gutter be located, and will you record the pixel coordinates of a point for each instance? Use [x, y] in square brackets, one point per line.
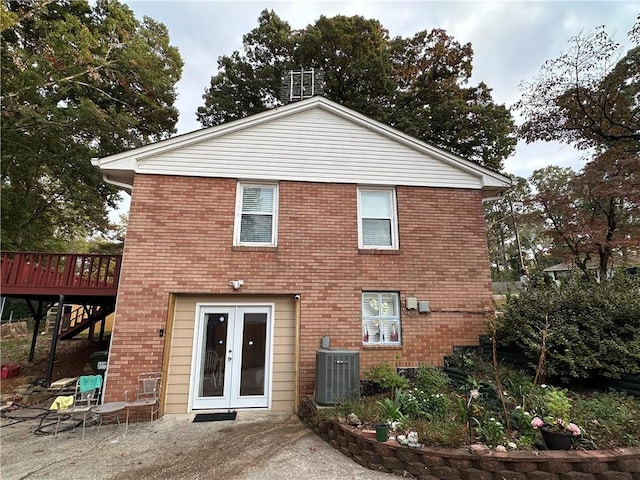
[125, 186]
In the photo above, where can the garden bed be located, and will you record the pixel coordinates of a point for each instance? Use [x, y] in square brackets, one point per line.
[473, 462]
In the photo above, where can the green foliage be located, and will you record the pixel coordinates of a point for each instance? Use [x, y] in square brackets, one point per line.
[557, 402]
[521, 421]
[386, 377]
[608, 420]
[391, 409]
[518, 386]
[416, 403]
[593, 329]
[16, 306]
[79, 80]
[431, 379]
[417, 85]
[365, 410]
[441, 432]
[490, 431]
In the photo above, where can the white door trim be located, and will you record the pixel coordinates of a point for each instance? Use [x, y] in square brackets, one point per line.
[198, 325]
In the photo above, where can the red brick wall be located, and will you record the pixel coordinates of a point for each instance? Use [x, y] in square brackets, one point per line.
[180, 238]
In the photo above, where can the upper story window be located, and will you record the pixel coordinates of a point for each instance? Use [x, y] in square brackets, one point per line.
[256, 215]
[377, 221]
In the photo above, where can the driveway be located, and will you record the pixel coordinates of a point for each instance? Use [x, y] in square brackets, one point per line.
[257, 445]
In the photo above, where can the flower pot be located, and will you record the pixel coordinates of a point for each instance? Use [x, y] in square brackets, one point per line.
[557, 440]
[382, 432]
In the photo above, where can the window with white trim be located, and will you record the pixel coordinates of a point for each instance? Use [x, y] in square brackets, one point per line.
[377, 221]
[256, 215]
[380, 318]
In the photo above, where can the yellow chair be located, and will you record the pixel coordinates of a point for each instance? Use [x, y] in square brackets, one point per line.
[86, 396]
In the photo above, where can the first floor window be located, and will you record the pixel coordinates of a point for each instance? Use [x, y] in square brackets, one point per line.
[256, 215]
[380, 318]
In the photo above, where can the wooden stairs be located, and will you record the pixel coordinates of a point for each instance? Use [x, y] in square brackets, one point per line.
[82, 318]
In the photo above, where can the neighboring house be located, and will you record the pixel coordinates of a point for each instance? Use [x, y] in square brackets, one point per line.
[629, 263]
[250, 241]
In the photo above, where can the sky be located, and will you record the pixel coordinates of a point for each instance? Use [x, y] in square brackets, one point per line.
[511, 40]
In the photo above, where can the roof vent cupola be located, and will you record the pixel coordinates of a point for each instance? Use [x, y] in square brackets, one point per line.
[301, 84]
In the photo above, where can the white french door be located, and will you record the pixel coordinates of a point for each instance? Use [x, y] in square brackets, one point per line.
[232, 357]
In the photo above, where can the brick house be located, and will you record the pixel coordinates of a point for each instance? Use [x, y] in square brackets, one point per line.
[250, 241]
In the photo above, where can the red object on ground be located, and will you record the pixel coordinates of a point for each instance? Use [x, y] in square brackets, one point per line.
[9, 371]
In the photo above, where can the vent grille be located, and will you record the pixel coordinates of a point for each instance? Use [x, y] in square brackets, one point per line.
[337, 376]
[301, 84]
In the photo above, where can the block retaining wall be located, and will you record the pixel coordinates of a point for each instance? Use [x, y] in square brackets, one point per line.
[460, 464]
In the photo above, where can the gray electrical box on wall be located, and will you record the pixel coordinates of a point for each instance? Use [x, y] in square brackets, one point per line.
[423, 307]
[337, 376]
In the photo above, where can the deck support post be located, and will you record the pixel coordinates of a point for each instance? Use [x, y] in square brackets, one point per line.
[37, 317]
[102, 327]
[54, 340]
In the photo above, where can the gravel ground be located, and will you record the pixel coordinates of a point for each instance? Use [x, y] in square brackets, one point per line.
[257, 445]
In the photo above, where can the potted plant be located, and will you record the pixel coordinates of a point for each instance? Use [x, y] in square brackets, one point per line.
[557, 431]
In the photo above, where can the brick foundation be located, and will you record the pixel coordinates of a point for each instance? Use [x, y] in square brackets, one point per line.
[459, 464]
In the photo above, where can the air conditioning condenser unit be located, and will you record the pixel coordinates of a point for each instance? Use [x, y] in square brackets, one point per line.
[337, 376]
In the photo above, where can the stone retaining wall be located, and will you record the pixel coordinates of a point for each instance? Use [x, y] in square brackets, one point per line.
[460, 464]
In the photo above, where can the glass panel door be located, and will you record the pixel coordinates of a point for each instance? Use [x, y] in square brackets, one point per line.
[253, 347]
[232, 357]
[212, 368]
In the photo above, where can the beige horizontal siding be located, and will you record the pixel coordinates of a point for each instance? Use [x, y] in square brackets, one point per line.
[179, 367]
[316, 146]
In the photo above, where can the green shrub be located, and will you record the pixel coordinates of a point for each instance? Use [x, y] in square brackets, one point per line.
[431, 380]
[491, 432]
[594, 329]
[386, 377]
[416, 403]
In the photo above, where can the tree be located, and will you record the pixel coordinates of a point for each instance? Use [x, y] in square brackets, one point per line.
[433, 103]
[249, 83]
[353, 52]
[609, 186]
[588, 96]
[592, 214]
[77, 82]
[503, 218]
[516, 239]
[416, 85]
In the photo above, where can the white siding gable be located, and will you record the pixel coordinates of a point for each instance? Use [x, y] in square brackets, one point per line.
[315, 146]
[313, 140]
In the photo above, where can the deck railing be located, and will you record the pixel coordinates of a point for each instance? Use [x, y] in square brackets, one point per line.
[41, 272]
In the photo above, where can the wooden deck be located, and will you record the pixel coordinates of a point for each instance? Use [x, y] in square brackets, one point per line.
[49, 275]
